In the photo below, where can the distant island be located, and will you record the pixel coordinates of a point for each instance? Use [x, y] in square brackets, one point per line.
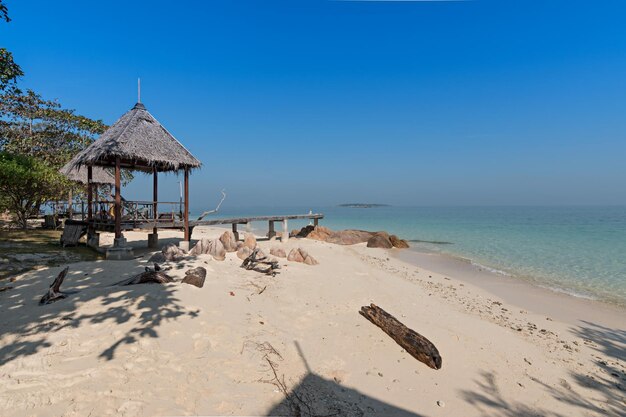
[363, 205]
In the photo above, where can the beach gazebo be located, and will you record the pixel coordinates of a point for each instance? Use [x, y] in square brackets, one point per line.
[100, 176]
[136, 142]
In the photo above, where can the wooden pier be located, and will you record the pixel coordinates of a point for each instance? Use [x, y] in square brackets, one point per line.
[172, 220]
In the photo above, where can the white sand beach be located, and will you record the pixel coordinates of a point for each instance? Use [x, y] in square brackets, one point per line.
[174, 349]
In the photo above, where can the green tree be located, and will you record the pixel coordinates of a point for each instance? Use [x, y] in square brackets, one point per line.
[26, 183]
[9, 70]
[33, 126]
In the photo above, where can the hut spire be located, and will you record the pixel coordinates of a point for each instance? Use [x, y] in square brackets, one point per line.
[138, 90]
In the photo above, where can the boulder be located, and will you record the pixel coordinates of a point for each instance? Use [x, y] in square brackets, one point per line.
[349, 237]
[295, 256]
[169, 252]
[249, 241]
[280, 252]
[243, 252]
[397, 242]
[213, 247]
[195, 277]
[158, 258]
[300, 255]
[341, 237]
[380, 240]
[229, 242]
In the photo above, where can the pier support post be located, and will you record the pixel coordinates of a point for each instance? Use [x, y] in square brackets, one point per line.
[316, 222]
[235, 232]
[271, 233]
[285, 237]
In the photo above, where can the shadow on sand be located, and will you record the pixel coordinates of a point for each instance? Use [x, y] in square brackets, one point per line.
[26, 326]
[607, 382]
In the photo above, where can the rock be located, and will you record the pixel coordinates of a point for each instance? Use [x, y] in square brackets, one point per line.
[309, 260]
[229, 242]
[171, 253]
[441, 403]
[158, 258]
[341, 237]
[349, 237]
[249, 241]
[280, 252]
[195, 277]
[397, 242]
[300, 255]
[380, 240]
[213, 247]
[244, 252]
[295, 256]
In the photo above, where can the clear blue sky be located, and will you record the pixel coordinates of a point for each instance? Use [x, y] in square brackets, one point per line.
[321, 102]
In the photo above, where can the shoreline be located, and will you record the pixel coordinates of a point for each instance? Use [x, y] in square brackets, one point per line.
[559, 304]
[173, 349]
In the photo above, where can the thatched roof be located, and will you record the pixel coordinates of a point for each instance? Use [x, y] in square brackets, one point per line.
[98, 175]
[140, 142]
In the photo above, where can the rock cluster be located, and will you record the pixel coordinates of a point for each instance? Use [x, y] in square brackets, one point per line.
[300, 255]
[351, 237]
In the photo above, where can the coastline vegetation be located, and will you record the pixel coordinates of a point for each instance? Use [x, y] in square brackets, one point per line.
[37, 137]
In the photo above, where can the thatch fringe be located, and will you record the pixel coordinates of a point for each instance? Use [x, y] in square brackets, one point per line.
[141, 143]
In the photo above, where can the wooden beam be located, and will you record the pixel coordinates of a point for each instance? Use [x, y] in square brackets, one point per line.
[89, 193]
[118, 199]
[155, 194]
[186, 213]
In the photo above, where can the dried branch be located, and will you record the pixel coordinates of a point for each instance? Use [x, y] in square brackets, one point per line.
[216, 209]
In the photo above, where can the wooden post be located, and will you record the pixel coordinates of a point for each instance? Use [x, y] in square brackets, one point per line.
[70, 199]
[95, 198]
[271, 232]
[285, 237]
[89, 194]
[155, 195]
[118, 199]
[316, 222]
[235, 232]
[186, 214]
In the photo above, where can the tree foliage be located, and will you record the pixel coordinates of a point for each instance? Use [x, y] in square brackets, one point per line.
[26, 183]
[33, 126]
[9, 70]
[4, 13]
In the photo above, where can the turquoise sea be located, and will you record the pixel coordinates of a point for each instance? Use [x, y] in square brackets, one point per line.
[578, 250]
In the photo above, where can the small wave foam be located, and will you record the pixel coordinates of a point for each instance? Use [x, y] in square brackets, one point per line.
[489, 269]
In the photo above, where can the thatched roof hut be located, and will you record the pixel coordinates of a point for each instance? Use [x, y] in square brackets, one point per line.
[99, 175]
[140, 142]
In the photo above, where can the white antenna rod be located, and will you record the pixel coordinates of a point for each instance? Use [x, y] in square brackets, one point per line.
[138, 90]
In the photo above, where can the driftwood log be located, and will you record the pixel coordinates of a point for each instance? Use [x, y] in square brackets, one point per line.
[54, 292]
[260, 263]
[148, 277]
[414, 343]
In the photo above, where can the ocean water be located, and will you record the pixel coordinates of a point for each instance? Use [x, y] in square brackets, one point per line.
[578, 250]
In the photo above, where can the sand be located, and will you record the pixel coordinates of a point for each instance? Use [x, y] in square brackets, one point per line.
[174, 349]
